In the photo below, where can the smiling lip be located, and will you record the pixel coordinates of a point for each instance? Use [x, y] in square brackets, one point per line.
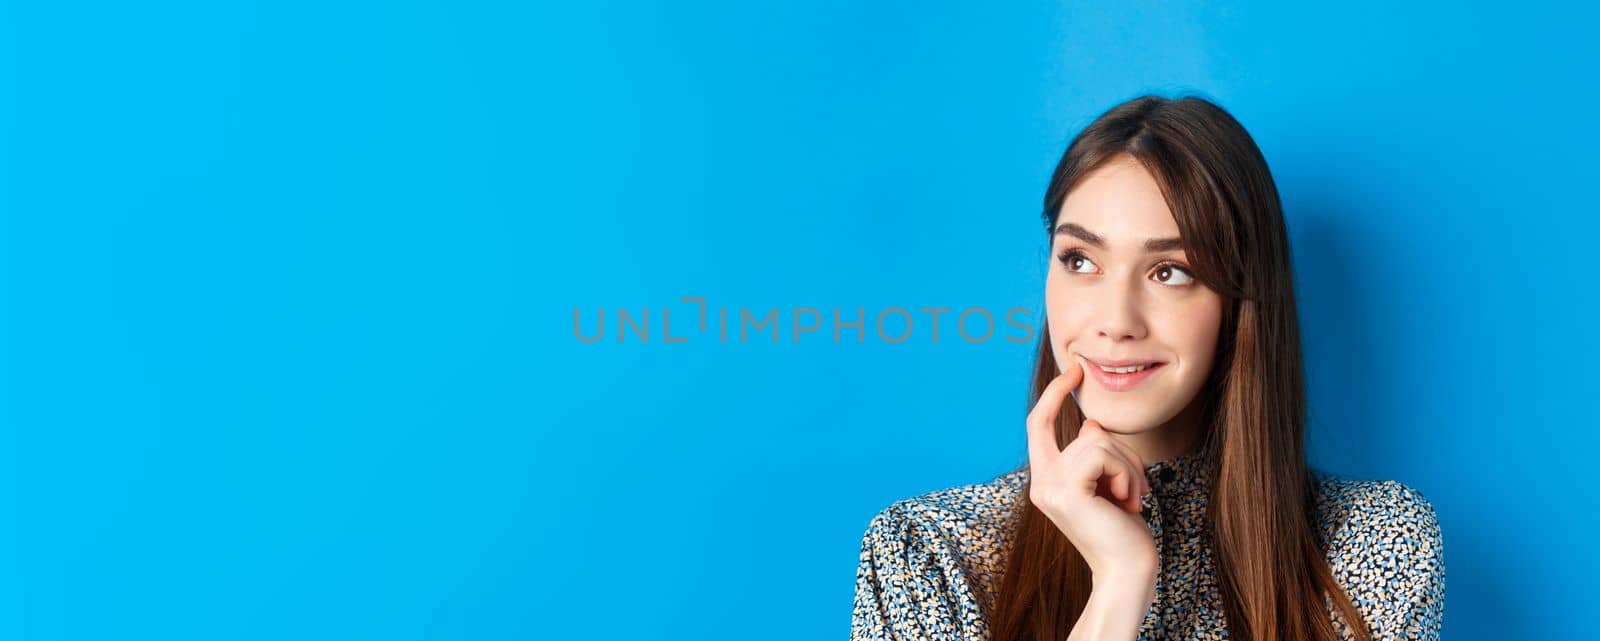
[1120, 382]
[1119, 363]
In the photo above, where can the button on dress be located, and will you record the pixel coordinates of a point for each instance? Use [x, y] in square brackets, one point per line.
[926, 560]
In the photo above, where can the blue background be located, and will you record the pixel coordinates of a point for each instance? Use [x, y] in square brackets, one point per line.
[288, 344]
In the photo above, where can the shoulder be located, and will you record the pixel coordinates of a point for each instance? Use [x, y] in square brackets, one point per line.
[971, 503]
[963, 527]
[1386, 548]
[970, 509]
[1360, 509]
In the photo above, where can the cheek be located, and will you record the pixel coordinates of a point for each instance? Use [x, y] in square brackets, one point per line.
[1059, 311]
[1195, 328]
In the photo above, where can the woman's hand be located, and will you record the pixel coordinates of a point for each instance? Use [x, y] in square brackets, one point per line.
[1091, 490]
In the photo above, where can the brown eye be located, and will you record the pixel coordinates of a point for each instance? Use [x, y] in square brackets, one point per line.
[1168, 270]
[1072, 259]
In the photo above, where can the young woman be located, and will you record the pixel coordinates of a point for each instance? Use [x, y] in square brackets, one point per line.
[1166, 493]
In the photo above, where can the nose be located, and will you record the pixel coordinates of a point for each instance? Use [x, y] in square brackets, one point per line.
[1118, 314]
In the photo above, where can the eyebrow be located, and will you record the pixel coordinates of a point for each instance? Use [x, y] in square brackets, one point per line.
[1150, 244]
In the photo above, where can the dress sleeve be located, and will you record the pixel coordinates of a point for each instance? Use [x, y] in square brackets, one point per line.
[910, 585]
[1400, 570]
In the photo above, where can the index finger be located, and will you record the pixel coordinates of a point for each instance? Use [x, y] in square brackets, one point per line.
[1042, 445]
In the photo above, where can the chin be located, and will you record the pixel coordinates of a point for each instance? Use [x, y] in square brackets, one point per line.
[1121, 420]
[1119, 427]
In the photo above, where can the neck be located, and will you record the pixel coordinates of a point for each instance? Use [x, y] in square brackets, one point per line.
[1174, 438]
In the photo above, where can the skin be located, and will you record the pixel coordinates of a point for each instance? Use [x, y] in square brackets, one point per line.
[1118, 301]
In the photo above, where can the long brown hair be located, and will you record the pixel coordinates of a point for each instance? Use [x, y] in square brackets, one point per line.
[1272, 572]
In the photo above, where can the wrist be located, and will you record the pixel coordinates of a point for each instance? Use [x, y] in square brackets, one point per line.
[1133, 586]
[1128, 578]
[1116, 609]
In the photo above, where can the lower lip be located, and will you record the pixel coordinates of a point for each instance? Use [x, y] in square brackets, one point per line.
[1121, 382]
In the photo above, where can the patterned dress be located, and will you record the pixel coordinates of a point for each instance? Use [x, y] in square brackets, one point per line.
[926, 560]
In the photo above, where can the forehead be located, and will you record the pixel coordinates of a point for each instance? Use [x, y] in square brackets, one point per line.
[1121, 202]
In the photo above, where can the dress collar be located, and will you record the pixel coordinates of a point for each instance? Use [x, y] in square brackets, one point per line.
[1180, 474]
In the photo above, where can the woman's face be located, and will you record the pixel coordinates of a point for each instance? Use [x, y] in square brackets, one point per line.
[1110, 298]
